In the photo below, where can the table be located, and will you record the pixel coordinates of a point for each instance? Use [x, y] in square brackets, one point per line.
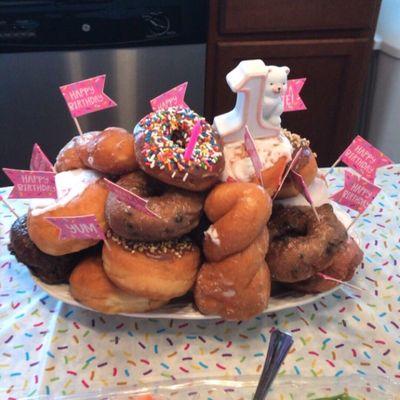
[48, 347]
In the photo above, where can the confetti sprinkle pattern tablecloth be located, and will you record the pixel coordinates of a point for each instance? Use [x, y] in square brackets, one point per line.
[47, 347]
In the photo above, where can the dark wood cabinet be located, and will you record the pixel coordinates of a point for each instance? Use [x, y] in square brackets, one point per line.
[335, 65]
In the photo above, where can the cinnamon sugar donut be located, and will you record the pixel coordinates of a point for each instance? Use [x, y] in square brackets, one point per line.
[160, 142]
[238, 212]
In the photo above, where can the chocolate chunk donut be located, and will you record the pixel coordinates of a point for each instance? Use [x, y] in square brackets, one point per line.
[179, 210]
[300, 245]
[49, 269]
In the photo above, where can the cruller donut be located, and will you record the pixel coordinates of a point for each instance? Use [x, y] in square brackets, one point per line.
[160, 141]
[179, 210]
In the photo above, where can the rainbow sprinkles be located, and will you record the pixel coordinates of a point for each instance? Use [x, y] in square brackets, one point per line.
[167, 133]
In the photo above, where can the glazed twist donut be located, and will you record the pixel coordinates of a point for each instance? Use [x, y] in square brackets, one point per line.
[235, 282]
[238, 212]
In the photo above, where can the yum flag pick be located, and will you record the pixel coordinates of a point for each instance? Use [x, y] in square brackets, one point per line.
[173, 97]
[87, 96]
[357, 193]
[39, 161]
[32, 184]
[291, 99]
[250, 146]
[364, 158]
[130, 198]
[79, 227]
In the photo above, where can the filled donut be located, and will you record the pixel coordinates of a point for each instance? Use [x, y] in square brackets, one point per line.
[342, 267]
[80, 192]
[300, 245]
[155, 270]
[69, 156]
[111, 152]
[160, 142]
[49, 269]
[179, 210]
[90, 286]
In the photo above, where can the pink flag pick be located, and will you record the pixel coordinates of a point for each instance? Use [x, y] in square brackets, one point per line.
[130, 198]
[39, 161]
[364, 158]
[331, 278]
[32, 184]
[288, 169]
[79, 227]
[302, 188]
[250, 146]
[86, 96]
[291, 98]
[194, 134]
[173, 97]
[357, 193]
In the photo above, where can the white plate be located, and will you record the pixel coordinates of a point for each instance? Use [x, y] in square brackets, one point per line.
[186, 310]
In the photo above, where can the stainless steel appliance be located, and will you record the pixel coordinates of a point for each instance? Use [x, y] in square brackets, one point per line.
[145, 47]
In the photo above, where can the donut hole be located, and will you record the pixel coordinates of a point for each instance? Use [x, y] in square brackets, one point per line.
[179, 138]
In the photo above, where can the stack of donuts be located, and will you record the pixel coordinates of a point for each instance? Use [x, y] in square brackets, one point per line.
[211, 226]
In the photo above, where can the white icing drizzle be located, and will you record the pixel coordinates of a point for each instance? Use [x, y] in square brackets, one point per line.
[212, 233]
[229, 293]
[239, 166]
[70, 184]
[318, 192]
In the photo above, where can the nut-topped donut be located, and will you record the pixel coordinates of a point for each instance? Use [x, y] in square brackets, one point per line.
[160, 141]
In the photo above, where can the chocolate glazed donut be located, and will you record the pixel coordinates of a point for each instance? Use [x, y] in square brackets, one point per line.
[160, 141]
[300, 245]
[179, 210]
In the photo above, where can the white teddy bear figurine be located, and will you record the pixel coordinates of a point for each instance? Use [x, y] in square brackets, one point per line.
[275, 87]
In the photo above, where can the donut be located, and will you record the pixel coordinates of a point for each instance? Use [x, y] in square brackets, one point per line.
[155, 270]
[306, 165]
[342, 267]
[90, 286]
[49, 269]
[300, 245]
[160, 141]
[68, 158]
[274, 153]
[238, 212]
[179, 210]
[238, 287]
[80, 192]
[111, 152]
